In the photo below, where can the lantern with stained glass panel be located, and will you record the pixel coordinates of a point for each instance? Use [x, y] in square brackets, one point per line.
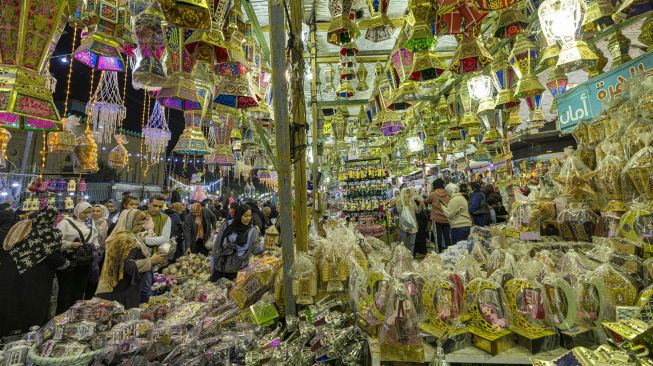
[149, 72]
[187, 14]
[557, 84]
[470, 55]
[179, 90]
[29, 32]
[232, 88]
[341, 29]
[418, 29]
[379, 27]
[504, 77]
[523, 59]
[427, 65]
[402, 60]
[597, 15]
[511, 22]
[469, 105]
[192, 140]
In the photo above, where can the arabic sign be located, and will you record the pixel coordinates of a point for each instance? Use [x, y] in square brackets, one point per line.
[585, 101]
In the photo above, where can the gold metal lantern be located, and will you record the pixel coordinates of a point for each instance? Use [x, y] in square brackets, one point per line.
[29, 32]
[5, 136]
[192, 140]
[119, 156]
[85, 153]
[379, 27]
[187, 14]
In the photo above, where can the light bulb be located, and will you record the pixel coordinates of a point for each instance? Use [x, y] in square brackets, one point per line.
[480, 87]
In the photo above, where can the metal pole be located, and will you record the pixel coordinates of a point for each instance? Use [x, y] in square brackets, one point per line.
[317, 205]
[280, 101]
[23, 161]
[298, 112]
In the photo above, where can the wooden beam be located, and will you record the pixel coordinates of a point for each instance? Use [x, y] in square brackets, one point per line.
[258, 33]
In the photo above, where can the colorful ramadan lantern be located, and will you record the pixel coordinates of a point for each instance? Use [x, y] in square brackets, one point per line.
[345, 90]
[109, 28]
[426, 65]
[148, 72]
[618, 45]
[192, 140]
[224, 119]
[480, 88]
[179, 91]
[471, 55]
[418, 30]
[557, 84]
[597, 15]
[469, 105]
[232, 88]
[85, 153]
[29, 32]
[456, 17]
[503, 76]
[379, 27]
[119, 156]
[187, 14]
[64, 140]
[524, 61]
[341, 29]
[156, 133]
[559, 20]
[511, 22]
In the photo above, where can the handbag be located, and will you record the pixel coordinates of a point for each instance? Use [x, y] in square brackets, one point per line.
[83, 255]
[483, 209]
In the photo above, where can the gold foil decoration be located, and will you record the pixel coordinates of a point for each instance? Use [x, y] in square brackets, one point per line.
[619, 45]
[192, 14]
[5, 136]
[361, 74]
[85, 153]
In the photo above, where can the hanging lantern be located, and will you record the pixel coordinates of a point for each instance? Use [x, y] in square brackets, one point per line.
[341, 29]
[512, 21]
[65, 140]
[490, 5]
[456, 17]
[559, 20]
[379, 27]
[469, 119]
[557, 84]
[109, 28]
[179, 91]
[224, 120]
[85, 153]
[29, 32]
[453, 108]
[550, 55]
[418, 30]
[402, 96]
[156, 134]
[480, 88]
[470, 55]
[619, 45]
[442, 111]
[646, 33]
[402, 60]
[119, 156]
[148, 72]
[207, 47]
[361, 75]
[329, 77]
[5, 136]
[231, 88]
[105, 110]
[345, 90]
[192, 140]
[186, 14]
[426, 65]
[504, 78]
[514, 119]
[535, 115]
[596, 69]
[391, 128]
[348, 54]
[524, 61]
[597, 15]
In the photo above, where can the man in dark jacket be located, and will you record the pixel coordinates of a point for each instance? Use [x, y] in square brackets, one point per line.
[176, 228]
[478, 208]
[176, 195]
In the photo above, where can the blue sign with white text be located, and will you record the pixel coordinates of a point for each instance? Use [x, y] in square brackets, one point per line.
[585, 101]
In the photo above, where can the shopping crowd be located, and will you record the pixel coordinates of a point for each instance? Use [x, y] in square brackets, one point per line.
[111, 250]
[446, 214]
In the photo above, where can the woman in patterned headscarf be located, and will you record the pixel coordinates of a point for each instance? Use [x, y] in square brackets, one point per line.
[34, 247]
[126, 260]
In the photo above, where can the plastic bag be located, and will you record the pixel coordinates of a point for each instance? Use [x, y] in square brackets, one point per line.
[407, 221]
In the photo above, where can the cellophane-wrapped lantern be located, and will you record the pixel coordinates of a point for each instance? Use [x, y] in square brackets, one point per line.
[148, 72]
[119, 156]
[187, 14]
[333, 265]
[304, 281]
[29, 32]
[341, 29]
[575, 178]
[639, 170]
[608, 178]
[64, 140]
[379, 27]
[85, 153]
[470, 55]
[109, 28]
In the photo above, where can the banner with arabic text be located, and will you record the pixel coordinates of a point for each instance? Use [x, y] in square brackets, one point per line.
[585, 101]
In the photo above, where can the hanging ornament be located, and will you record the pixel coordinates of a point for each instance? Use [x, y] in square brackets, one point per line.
[418, 29]
[469, 105]
[470, 55]
[5, 136]
[109, 28]
[224, 120]
[156, 134]
[379, 27]
[512, 21]
[192, 140]
[341, 29]
[345, 90]
[402, 61]
[148, 72]
[65, 140]
[329, 77]
[597, 15]
[619, 46]
[504, 77]
[490, 5]
[179, 91]
[209, 46]
[119, 156]
[426, 65]
[29, 32]
[557, 84]
[185, 14]
[361, 74]
[231, 88]
[523, 59]
[105, 109]
[85, 153]
[456, 17]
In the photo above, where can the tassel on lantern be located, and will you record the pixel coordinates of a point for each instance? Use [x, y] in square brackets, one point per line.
[105, 109]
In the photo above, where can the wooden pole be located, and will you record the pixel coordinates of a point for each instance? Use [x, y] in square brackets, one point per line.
[280, 102]
[298, 113]
[315, 127]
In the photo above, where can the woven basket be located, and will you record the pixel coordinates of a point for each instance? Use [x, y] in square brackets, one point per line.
[78, 360]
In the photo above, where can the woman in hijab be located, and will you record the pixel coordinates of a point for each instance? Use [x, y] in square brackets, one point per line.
[99, 216]
[257, 216]
[114, 212]
[198, 227]
[26, 285]
[80, 246]
[126, 261]
[237, 240]
[408, 210]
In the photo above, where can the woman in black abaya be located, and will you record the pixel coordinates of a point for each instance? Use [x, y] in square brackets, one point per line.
[32, 248]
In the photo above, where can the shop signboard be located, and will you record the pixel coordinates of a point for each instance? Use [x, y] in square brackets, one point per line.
[585, 101]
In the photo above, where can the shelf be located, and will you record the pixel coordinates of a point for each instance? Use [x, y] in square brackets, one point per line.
[513, 356]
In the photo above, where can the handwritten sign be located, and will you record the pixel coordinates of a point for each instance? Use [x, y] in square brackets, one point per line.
[585, 102]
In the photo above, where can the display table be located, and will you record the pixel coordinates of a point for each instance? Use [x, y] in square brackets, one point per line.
[513, 356]
[376, 359]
